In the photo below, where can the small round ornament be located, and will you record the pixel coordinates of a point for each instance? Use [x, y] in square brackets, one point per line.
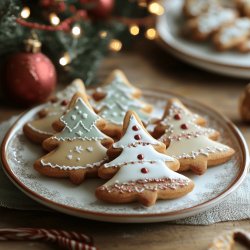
[102, 8]
[30, 75]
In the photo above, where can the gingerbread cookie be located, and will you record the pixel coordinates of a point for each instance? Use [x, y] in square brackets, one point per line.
[233, 35]
[194, 8]
[137, 145]
[115, 98]
[143, 174]
[244, 7]
[40, 129]
[188, 142]
[202, 27]
[80, 148]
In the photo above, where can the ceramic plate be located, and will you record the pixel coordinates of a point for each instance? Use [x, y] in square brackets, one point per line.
[202, 54]
[18, 156]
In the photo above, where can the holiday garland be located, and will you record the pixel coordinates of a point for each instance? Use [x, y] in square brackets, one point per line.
[75, 34]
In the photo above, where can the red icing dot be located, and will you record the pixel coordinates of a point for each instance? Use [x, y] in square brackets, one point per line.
[177, 117]
[140, 156]
[144, 170]
[184, 126]
[137, 137]
[64, 103]
[135, 128]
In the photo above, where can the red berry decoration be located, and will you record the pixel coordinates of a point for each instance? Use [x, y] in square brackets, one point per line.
[135, 128]
[140, 156]
[177, 117]
[137, 137]
[144, 170]
[30, 76]
[184, 126]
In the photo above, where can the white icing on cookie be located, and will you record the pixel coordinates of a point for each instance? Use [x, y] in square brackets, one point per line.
[138, 154]
[214, 19]
[133, 137]
[187, 139]
[79, 128]
[69, 167]
[133, 172]
[118, 100]
[241, 28]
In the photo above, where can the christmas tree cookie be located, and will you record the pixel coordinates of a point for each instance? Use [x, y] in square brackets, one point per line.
[190, 143]
[40, 129]
[135, 146]
[142, 173]
[80, 148]
[115, 99]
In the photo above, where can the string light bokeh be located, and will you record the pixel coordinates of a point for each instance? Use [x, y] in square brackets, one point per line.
[115, 45]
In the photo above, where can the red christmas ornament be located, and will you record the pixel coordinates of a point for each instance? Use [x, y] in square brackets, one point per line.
[102, 8]
[30, 75]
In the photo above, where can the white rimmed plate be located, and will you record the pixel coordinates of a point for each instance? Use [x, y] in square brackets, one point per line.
[18, 156]
[200, 54]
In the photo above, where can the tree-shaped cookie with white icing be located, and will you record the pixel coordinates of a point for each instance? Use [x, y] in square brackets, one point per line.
[136, 146]
[142, 173]
[191, 144]
[40, 128]
[80, 148]
[115, 98]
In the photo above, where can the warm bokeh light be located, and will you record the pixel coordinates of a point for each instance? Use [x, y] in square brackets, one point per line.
[103, 34]
[155, 8]
[134, 30]
[64, 60]
[115, 45]
[25, 13]
[151, 34]
[54, 19]
[76, 31]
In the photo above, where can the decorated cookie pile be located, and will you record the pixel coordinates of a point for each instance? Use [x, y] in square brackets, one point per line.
[110, 141]
[227, 27]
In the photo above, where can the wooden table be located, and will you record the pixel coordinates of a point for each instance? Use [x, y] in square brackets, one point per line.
[147, 65]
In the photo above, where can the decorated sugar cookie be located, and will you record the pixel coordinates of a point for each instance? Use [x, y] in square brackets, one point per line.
[188, 142]
[135, 146]
[202, 27]
[233, 35]
[80, 148]
[143, 174]
[40, 129]
[194, 8]
[115, 99]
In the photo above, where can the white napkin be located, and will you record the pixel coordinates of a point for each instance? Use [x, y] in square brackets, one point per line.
[235, 207]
